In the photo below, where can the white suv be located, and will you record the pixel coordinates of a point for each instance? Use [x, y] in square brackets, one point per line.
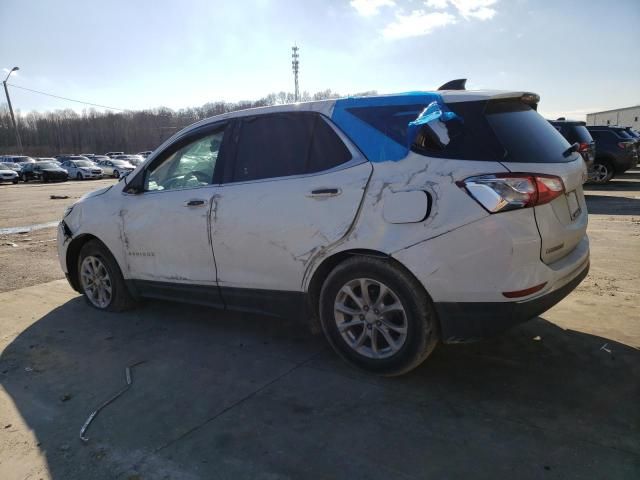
[391, 222]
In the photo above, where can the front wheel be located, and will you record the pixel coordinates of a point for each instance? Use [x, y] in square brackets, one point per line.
[377, 316]
[101, 280]
[116, 174]
[79, 176]
[602, 172]
[25, 179]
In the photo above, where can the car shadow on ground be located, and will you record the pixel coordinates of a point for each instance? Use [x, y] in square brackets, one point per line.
[225, 395]
[612, 205]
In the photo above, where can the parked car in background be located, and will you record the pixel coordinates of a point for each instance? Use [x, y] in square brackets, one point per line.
[98, 158]
[48, 159]
[396, 221]
[20, 159]
[576, 132]
[113, 154]
[134, 160]
[615, 153]
[145, 154]
[8, 174]
[44, 171]
[16, 167]
[81, 168]
[116, 168]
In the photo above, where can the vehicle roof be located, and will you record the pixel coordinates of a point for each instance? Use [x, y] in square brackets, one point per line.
[568, 122]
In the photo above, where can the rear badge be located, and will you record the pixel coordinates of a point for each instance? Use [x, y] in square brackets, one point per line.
[555, 249]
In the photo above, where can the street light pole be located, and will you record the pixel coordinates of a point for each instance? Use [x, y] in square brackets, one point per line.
[13, 118]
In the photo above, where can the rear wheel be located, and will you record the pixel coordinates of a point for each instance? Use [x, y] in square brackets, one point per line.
[79, 176]
[25, 179]
[377, 316]
[602, 172]
[101, 280]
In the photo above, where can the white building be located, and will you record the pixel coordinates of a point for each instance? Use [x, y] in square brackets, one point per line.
[625, 117]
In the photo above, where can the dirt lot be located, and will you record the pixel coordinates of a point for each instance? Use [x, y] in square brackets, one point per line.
[227, 395]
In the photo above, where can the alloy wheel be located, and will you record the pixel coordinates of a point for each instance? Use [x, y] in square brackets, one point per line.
[370, 318]
[600, 173]
[96, 281]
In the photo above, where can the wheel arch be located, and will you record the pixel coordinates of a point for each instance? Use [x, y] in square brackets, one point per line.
[73, 251]
[323, 270]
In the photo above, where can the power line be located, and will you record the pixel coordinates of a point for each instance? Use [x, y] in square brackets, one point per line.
[65, 98]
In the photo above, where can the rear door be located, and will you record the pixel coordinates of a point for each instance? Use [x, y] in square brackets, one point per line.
[532, 145]
[294, 187]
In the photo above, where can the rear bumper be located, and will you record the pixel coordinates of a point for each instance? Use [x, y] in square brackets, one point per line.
[469, 321]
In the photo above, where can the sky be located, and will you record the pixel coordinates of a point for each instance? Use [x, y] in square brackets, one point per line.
[578, 55]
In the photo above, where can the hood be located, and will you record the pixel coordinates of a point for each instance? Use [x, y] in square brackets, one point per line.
[95, 193]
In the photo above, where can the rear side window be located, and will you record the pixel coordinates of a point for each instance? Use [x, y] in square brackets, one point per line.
[285, 144]
[578, 133]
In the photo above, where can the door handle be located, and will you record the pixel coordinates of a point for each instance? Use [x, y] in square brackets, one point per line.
[324, 192]
[195, 203]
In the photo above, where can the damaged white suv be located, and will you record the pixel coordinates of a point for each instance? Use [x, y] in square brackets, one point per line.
[390, 222]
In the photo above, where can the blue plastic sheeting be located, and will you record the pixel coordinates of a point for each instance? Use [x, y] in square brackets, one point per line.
[433, 112]
[375, 145]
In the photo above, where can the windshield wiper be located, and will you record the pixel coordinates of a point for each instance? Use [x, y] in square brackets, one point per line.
[571, 149]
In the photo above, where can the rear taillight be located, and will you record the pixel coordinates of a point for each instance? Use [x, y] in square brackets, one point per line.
[501, 192]
[622, 145]
[584, 147]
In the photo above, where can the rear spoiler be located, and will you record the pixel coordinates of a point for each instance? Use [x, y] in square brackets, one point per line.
[458, 84]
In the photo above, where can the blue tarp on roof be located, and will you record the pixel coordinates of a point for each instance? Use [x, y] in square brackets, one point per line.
[379, 146]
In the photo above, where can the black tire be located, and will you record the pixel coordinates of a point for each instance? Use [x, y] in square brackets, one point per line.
[15, 182]
[603, 172]
[120, 299]
[116, 174]
[78, 176]
[24, 178]
[421, 323]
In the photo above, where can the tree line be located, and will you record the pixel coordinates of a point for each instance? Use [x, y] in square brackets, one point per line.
[67, 131]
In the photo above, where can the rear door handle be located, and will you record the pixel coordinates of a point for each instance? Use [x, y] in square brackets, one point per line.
[324, 192]
[195, 203]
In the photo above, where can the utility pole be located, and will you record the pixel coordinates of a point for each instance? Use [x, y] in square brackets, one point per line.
[295, 64]
[13, 118]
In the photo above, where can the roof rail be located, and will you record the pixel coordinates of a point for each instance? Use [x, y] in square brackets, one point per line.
[457, 84]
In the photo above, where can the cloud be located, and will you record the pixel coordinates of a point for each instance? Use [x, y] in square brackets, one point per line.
[368, 8]
[417, 23]
[437, 4]
[478, 9]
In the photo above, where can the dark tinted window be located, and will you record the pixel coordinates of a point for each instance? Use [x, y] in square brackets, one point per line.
[575, 133]
[285, 144]
[603, 135]
[392, 121]
[524, 134]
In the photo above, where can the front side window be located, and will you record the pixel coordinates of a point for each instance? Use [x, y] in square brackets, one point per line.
[190, 166]
[286, 144]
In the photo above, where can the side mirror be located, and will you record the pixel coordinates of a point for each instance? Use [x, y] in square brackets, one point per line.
[136, 185]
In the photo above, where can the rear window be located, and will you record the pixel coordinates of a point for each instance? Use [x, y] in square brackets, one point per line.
[576, 133]
[497, 130]
[525, 136]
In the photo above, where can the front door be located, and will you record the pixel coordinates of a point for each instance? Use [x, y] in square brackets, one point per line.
[166, 228]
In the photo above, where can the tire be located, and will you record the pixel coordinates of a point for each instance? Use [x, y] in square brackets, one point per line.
[100, 264]
[413, 330]
[79, 176]
[602, 172]
[116, 174]
[15, 181]
[24, 178]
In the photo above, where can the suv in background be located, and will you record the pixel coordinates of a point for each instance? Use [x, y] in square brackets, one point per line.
[20, 159]
[113, 154]
[576, 132]
[390, 223]
[615, 153]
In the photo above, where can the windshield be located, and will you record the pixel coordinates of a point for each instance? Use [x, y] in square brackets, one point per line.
[47, 165]
[83, 163]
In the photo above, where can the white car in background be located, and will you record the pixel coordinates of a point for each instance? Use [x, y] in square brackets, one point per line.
[134, 160]
[80, 168]
[390, 223]
[116, 168]
[8, 175]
